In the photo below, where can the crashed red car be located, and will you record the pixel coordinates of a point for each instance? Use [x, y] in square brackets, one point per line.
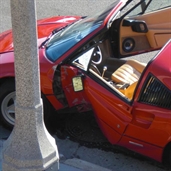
[84, 66]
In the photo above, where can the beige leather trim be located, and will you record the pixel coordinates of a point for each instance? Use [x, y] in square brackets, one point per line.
[159, 25]
[129, 92]
[125, 74]
[158, 19]
[161, 39]
[139, 66]
[111, 86]
[128, 72]
[159, 31]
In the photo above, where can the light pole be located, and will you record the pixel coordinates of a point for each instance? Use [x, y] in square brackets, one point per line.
[30, 147]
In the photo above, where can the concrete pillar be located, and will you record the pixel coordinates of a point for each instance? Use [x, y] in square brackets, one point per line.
[30, 147]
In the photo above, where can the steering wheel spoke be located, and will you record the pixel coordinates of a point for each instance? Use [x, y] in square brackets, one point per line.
[97, 56]
[95, 69]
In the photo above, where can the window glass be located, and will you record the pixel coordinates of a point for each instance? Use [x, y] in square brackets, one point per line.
[65, 39]
[158, 4]
[83, 60]
[145, 6]
[129, 6]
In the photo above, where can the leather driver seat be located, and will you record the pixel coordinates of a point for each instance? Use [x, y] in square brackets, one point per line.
[129, 72]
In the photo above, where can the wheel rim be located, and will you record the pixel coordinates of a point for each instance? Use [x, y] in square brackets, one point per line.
[8, 108]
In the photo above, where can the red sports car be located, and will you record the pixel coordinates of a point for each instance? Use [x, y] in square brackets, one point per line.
[83, 66]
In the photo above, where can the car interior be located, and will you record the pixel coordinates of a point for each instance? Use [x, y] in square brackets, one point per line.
[134, 35]
[129, 36]
[124, 79]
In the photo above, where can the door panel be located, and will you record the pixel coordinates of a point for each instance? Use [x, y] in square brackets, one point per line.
[142, 119]
[148, 132]
[159, 27]
[144, 148]
[112, 113]
[149, 125]
[159, 31]
[111, 110]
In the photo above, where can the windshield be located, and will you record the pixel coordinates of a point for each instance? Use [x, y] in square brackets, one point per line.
[63, 40]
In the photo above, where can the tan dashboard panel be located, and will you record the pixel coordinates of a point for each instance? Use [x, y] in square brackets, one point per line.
[159, 31]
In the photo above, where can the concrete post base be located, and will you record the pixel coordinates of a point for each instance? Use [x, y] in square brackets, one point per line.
[53, 167]
[30, 147]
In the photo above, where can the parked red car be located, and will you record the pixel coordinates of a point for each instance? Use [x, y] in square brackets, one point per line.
[83, 66]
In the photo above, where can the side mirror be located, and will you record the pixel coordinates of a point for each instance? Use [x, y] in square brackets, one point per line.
[77, 83]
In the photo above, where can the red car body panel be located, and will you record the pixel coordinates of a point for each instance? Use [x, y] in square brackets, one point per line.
[138, 146]
[150, 122]
[49, 89]
[139, 126]
[44, 29]
[7, 65]
[108, 108]
[134, 126]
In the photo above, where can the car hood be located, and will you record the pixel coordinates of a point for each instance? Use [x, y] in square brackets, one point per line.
[44, 29]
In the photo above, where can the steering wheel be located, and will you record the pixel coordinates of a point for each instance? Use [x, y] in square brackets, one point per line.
[95, 69]
[97, 56]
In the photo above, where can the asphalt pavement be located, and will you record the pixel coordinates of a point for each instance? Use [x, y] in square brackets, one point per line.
[72, 164]
[77, 157]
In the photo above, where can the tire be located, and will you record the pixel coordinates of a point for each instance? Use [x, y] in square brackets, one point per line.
[166, 159]
[169, 158]
[48, 110]
[7, 101]
[7, 108]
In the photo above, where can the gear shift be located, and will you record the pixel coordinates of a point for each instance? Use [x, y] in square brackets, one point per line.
[104, 69]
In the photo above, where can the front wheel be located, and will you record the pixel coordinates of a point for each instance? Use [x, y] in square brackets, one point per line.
[7, 105]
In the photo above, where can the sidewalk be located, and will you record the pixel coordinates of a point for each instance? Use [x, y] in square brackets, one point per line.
[73, 164]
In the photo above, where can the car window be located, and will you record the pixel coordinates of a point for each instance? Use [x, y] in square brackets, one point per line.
[146, 6]
[62, 41]
[83, 60]
[131, 5]
[158, 4]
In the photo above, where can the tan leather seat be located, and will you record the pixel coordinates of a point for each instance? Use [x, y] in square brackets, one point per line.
[129, 72]
[129, 92]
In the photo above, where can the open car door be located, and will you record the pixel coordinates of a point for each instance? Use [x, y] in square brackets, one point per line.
[144, 27]
[84, 87]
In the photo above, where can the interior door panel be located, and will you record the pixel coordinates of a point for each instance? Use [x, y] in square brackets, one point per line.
[158, 32]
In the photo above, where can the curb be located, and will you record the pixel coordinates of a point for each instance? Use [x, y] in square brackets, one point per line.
[1, 146]
[84, 165]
